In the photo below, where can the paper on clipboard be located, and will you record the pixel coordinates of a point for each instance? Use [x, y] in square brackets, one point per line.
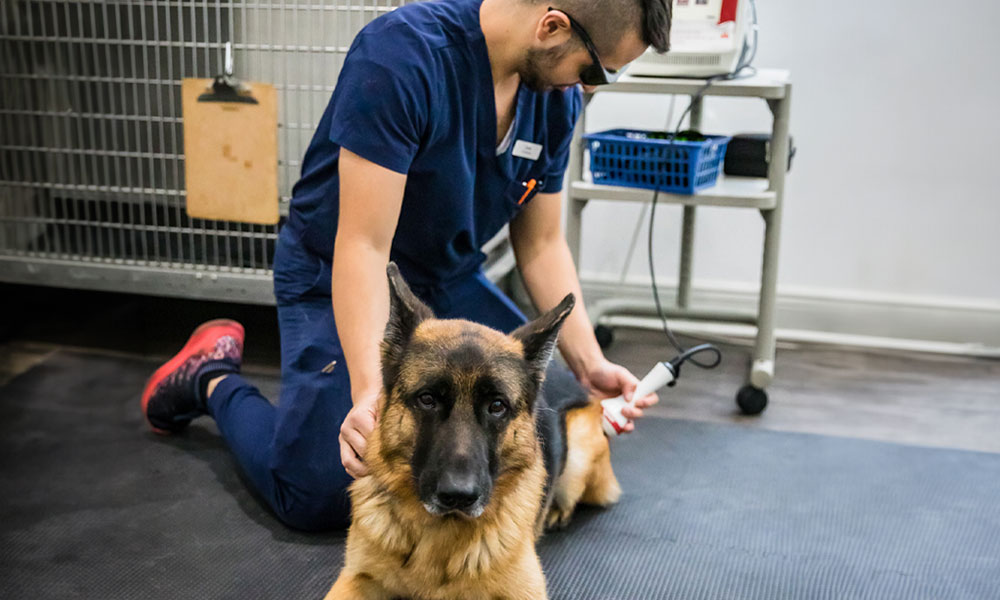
[231, 153]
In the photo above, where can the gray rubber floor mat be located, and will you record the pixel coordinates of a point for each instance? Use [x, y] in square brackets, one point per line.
[93, 505]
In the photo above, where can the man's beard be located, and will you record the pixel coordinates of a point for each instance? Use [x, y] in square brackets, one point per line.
[536, 66]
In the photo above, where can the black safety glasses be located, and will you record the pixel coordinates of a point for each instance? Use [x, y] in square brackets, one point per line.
[594, 73]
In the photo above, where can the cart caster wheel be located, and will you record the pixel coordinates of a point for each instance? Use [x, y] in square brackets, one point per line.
[751, 400]
[605, 336]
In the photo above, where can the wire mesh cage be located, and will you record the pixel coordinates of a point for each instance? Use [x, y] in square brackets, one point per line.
[91, 146]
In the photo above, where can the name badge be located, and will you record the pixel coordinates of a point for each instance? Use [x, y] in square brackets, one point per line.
[523, 149]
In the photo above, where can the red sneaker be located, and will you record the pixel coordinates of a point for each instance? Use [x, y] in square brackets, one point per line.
[172, 396]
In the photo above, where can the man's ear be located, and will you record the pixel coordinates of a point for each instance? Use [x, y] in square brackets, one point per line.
[406, 312]
[539, 337]
[553, 29]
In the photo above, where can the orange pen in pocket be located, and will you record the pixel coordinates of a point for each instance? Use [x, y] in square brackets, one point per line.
[530, 185]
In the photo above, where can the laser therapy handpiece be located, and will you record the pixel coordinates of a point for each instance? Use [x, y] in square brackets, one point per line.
[664, 373]
[614, 422]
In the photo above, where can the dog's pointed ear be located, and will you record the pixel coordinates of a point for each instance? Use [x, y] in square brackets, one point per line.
[539, 336]
[406, 312]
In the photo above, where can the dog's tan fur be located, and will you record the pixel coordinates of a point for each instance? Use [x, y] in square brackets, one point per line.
[397, 549]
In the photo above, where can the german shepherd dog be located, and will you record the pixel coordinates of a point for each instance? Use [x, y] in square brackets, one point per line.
[471, 459]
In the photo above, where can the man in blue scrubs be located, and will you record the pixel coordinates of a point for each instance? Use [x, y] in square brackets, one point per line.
[450, 119]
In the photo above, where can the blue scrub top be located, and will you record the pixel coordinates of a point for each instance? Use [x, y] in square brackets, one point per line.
[415, 95]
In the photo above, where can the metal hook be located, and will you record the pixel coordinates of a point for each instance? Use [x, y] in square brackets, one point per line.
[229, 59]
[225, 87]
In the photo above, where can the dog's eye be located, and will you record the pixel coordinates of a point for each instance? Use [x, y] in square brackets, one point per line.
[498, 408]
[426, 401]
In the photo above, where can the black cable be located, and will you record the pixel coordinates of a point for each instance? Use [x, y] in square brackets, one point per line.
[743, 69]
[676, 362]
[685, 353]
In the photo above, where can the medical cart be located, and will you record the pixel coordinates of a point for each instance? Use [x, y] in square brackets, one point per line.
[765, 195]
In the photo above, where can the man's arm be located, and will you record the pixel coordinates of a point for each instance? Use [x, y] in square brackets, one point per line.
[547, 268]
[549, 274]
[370, 200]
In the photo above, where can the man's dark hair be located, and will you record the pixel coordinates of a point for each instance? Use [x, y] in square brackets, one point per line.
[607, 21]
[656, 23]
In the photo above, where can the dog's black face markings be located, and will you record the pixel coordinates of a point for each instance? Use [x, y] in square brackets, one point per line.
[468, 391]
[461, 416]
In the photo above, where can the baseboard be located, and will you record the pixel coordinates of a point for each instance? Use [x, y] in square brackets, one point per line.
[933, 324]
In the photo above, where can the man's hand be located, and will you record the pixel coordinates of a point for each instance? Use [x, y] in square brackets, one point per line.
[610, 380]
[354, 432]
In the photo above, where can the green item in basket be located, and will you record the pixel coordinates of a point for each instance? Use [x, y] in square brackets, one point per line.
[689, 135]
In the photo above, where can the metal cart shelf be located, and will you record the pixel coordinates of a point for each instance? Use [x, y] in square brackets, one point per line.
[765, 195]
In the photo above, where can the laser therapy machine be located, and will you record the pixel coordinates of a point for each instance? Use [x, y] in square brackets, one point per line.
[707, 38]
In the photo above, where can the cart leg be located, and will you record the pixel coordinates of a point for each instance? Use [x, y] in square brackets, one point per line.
[574, 222]
[762, 370]
[574, 208]
[574, 212]
[687, 255]
[687, 231]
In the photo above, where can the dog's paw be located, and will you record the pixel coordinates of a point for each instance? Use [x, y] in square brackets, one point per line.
[604, 496]
[557, 518]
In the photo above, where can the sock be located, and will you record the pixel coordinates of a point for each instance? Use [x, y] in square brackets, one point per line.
[206, 374]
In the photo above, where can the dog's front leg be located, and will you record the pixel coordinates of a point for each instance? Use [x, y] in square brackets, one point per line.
[527, 582]
[529, 591]
[357, 586]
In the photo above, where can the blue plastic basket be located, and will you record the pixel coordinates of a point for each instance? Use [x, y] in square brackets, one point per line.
[630, 158]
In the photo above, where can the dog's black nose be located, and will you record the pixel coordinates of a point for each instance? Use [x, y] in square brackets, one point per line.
[458, 492]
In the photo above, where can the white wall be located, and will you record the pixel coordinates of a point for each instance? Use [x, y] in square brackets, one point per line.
[892, 198]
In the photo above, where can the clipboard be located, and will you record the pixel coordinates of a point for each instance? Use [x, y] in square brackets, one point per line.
[230, 149]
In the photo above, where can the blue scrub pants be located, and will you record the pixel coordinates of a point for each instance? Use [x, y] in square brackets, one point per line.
[291, 452]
